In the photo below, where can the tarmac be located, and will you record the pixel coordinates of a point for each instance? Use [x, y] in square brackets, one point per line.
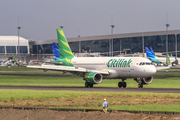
[99, 89]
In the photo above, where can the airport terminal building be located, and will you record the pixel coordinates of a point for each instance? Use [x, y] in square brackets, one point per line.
[128, 43]
[11, 44]
[102, 45]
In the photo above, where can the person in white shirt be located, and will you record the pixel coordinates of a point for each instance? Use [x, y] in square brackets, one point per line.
[105, 105]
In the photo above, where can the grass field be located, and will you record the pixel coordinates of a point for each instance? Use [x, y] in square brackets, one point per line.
[91, 100]
[78, 81]
[87, 100]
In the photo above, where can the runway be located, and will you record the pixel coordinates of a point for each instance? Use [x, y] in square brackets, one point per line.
[99, 89]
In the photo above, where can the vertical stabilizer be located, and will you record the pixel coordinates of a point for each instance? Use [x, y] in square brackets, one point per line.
[152, 52]
[148, 53]
[169, 62]
[15, 60]
[64, 49]
[55, 49]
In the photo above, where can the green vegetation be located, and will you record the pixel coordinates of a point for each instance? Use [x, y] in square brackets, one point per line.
[91, 100]
[78, 81]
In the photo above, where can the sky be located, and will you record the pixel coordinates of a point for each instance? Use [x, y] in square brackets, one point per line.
[39, 19]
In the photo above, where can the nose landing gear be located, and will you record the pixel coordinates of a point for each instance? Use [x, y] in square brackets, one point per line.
[140, 85]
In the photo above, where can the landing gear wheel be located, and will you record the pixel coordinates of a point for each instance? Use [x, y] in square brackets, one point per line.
[124, 84]
[140, 85]
[120, 84]
[91, 85]
[86, 84]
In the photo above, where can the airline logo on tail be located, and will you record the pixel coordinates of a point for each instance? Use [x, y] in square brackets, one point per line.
[64, 49]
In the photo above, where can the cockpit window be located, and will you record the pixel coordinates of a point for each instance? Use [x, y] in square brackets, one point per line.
[146, 63]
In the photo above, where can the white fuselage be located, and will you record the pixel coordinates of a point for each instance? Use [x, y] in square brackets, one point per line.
[116, 67]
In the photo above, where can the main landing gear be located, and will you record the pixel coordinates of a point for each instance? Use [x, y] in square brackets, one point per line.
[88, 84]
[122, 84]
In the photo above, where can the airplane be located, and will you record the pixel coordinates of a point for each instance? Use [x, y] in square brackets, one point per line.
[15, 60]
[95, 69]
[18, 63]
[55, 49]
[56, 56]
[151, 56]
[159, 60]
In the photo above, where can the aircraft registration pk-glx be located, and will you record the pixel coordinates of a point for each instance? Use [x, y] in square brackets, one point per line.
[95, 69]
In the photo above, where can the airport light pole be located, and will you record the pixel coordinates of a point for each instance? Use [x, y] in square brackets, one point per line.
[167, 25]
[18, 42]
[112, 26]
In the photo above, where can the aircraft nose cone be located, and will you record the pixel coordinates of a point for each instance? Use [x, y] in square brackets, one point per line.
[152, 70]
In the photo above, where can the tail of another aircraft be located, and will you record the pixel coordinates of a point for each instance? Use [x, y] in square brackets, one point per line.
[148, 53]
[152, 52]
[169, 62]
[15, 60]
[64, 49]
[55, 49]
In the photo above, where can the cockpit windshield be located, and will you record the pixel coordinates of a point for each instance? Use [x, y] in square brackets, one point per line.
[146, 63]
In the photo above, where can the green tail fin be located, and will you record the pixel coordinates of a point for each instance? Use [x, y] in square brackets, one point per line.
[14, 59]
[169, 62]
[64, 49]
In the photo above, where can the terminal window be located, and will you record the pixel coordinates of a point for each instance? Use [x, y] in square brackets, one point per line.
[2, 50]
[11, 49]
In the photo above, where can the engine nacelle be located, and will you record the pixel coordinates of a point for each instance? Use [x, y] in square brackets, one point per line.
[93, 78]
[144, 80]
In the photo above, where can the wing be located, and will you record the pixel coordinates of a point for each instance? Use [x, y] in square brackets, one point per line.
[162, 68]
[69, 69]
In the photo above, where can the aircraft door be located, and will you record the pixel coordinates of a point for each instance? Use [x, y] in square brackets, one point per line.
[131, 68]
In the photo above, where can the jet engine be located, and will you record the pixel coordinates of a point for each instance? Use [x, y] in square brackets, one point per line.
[93, 78]
[144, 80]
